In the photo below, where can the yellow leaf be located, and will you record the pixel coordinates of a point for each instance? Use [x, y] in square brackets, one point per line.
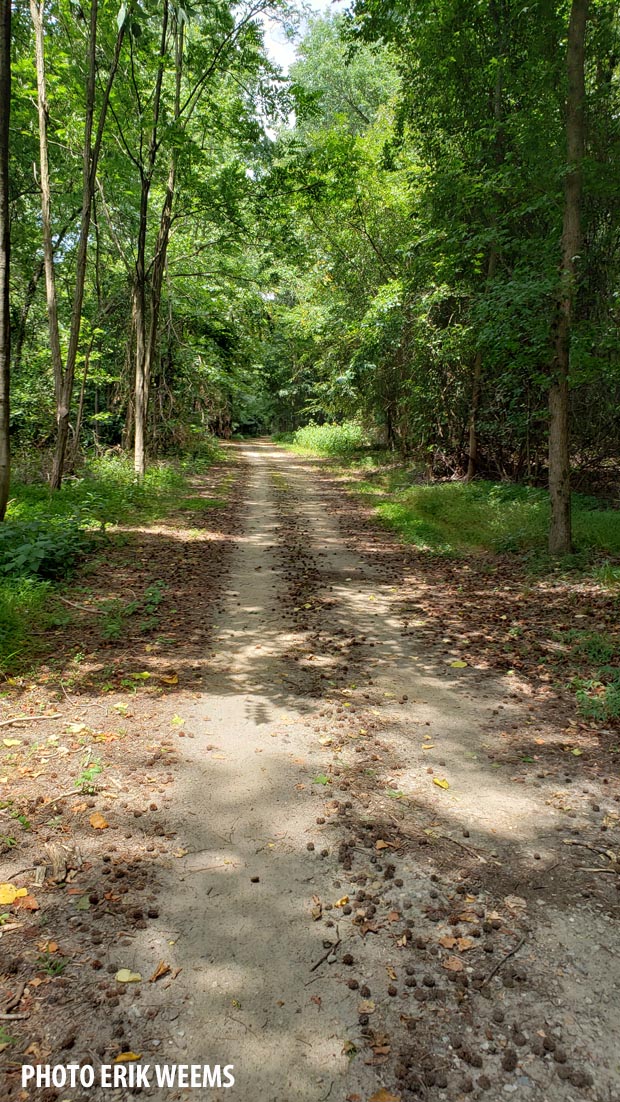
[577, 752]
[170, 679]
[342, 902]
[180, 853]
[125, 975]
[458, 664]
[366, 1006]
[380, 844]
[9, 893]
[440, 782]
[124, 1057]
[97, 821]
[177, 721]
[384, 1095]
[12, 741]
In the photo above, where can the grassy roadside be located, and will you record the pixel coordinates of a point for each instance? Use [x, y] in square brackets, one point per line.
[46, 537]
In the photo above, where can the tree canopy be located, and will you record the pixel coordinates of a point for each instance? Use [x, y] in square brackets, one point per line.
[397, 230]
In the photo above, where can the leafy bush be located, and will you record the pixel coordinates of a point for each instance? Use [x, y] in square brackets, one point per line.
[334, 440]
[40, 549]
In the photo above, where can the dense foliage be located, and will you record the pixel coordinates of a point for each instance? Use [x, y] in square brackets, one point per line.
[376, 238]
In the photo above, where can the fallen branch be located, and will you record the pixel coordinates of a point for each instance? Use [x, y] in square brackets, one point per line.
[502, 962]
[29, 719]
[81, 608]
[599, 872]
[15, 999]
[13, 1017]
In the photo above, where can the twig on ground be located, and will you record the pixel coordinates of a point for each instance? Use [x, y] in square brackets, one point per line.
[29, 719]
[15, 999]
[332, 949]
[502, 962]
[29, 868]
[13, 1017]
[80, 608]
[599, 872]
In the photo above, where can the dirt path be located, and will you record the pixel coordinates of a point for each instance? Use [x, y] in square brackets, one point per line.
[343, 923]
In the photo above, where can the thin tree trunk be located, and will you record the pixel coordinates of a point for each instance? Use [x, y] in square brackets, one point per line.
[36, 12]
[146, 337]
[64, 376]
[560, 534]
[498, 147]
[5, 251]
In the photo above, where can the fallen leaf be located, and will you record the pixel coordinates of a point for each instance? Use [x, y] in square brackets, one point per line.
[366, 1006]
[26, 903]
[317, 908]
[393, 916]
[441, 782]
[380, 844]
[125, 975]
[464, 943]
[9, 893]
[124, 1057]
[97, 821]
[452, 964]
[12, 741]
[349, 1049]
[447, 942]
[162, 970]
[390, 971]
[169, 679]
[177, 721]
[83, 904]
[458, 664]
[342, 902]
[384, 1095]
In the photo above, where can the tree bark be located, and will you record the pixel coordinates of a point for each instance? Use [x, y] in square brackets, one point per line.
[36, 12]
[64, 375]
[560, 534]
[5, 251]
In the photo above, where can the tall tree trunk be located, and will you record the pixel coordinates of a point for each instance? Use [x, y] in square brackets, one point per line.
[146, 335]
[498, 14]
[64, 375]
[36, 12]
[476, 389]
[5, 250]
[560, 535]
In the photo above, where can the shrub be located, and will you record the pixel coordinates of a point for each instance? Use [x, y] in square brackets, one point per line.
[334, 440]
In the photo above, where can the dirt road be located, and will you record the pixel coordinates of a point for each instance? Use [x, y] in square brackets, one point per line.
[359, 897]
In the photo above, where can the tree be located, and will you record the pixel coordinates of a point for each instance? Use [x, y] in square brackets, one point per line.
[64, 375]
[5, 248]
[560, 538]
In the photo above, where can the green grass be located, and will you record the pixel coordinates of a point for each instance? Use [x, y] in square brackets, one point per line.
[331, 440]
[456, 518]
[22, 603]
[45, 535]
